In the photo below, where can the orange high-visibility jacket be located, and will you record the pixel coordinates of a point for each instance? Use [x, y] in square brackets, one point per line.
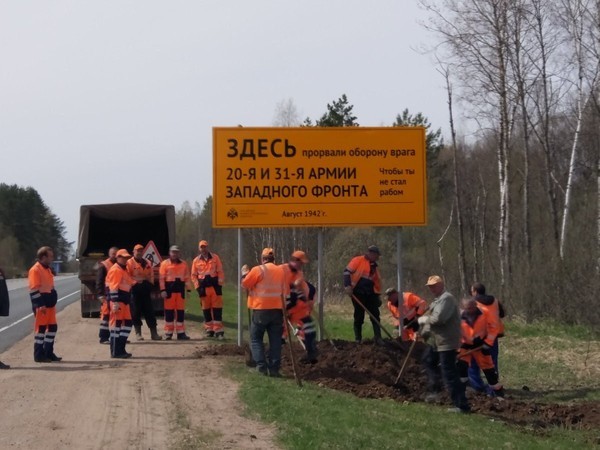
[266, 286]
[103, 268]
[171, 271]
[140, 270]
[119, 284]
[360, 267]
[295, 280]
[491, 309]
[210, 266]
[479, 329]
[412, 306]
[41, 286]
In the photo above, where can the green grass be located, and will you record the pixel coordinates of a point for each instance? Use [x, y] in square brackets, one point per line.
[315, 417]
[318, 417]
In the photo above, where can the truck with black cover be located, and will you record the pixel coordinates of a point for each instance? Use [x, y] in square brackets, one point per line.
[120, 225]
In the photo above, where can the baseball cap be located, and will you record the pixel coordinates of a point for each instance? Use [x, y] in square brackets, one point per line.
[374, 249]
[267, 252]
[433, 280]
[123, 253]
[174, 248]
[299, 254]
[202, 244]
[138, 246]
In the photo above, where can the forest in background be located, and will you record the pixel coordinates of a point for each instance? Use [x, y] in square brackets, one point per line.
[516, 204]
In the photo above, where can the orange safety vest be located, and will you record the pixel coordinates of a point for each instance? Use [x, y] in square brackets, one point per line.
[492, 315]
[41, 285]
[170, 271]
[266, 285]
[295, 280]
[140, 270]
[119, 284]
[360, 267]
[210, 266]
[479, 329]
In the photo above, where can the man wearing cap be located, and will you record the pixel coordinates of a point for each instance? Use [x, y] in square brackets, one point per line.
[174, 279]
[266, 286]
[208, 278]
[299, 304]
[103, 268]
[409, 311]
[362, 281]
[141, 301]
[119, 284]
[443, 321]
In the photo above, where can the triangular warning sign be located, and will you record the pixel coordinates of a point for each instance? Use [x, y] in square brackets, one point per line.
[151, 254]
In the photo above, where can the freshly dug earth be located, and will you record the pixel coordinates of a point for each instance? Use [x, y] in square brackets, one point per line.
[369, 371]
[162, 398]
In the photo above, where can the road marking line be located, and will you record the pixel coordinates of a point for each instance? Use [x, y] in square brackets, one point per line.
[31, 314]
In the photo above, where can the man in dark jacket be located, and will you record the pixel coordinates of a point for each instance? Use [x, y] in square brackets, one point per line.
[4, 305]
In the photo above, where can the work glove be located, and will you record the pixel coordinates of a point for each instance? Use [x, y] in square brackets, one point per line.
[219, 289]
[244, 270]
[163, 294]
[477, 342]
[115, 306]
[466, 346]
[348, 290]
[486, 350]
[423, 320]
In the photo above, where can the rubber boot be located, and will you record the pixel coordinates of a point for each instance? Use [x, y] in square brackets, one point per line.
[49, 351]
[357, 333]
[121, 353]
[113, 347]
[138, 332]
[39, 355]
[154, 334]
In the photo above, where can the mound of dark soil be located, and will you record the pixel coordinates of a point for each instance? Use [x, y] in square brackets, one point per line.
[369, 371]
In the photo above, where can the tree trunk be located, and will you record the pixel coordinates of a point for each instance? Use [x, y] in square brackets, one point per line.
[462, 271]
[575, 22]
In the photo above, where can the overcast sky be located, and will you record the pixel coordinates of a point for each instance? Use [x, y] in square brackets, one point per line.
[114, 101]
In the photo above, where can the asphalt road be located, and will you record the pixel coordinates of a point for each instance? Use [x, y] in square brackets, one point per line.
[20, 322]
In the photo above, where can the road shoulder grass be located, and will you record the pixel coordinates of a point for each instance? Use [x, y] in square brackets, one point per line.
[318, 417]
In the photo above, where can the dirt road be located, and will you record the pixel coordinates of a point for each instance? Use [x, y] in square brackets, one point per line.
[164, 397]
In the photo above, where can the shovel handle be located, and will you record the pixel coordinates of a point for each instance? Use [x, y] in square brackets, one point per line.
[371, 315]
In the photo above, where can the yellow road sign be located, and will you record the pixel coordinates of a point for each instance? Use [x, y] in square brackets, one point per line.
[293, 177]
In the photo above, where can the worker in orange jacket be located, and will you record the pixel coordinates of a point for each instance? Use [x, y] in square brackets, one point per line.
[119, 283]
[294, 277]
[141, 294]
[299, 305]
[101, 293]
[174, 278]
[266, 284]
[476, 343]
[493, 312]
[411, 309]
[362, 280]
[208, 278]
[43, 301]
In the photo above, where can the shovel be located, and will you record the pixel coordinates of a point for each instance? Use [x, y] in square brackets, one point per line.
[410, 350]
[295, 330]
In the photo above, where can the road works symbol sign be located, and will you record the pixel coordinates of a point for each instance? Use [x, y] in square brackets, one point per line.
[151, 254]
[290, 177]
